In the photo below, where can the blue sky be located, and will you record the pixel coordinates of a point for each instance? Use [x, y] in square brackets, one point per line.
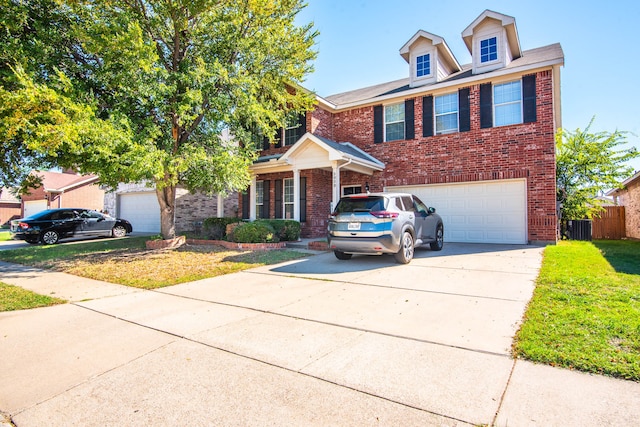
[359, 45]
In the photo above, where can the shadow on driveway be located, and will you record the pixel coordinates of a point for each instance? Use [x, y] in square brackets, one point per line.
[328, 264]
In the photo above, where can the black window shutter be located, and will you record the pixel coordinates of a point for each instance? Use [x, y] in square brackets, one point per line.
[529, 98]
[265, 143]
[302, 126]
[265, 199]
[486, 106]
[245, 203]
[378, 126]
[278, 199]
[464, 110]
[303, 199]
[278, 138]
[427, 115]
[409, 127]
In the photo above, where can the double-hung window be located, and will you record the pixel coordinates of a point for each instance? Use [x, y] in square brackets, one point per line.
[288, 198]
[507, 103]
[260, 199]
[291, 129]
[488, 50]
[423, 65]
[446, 113]
[394, 122]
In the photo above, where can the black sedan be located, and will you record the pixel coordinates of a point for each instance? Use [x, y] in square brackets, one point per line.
[54, 224]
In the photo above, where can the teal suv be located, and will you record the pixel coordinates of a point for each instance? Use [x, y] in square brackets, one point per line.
[383, 223]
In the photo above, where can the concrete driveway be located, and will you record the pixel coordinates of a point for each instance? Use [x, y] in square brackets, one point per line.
[316, 341]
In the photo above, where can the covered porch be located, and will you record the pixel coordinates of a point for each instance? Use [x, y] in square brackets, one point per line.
[309, 153]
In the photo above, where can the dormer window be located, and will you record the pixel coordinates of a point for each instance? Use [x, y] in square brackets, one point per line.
[423, 65]
[489, 50]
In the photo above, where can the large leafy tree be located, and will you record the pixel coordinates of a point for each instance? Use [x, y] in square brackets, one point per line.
[587, 164]
[147, 87]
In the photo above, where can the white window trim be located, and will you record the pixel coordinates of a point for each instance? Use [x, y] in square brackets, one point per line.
[294, 117]
[259, 195]
[520, 101]
[385, 123]
[285, 203]
[436, 115]
[492, 61]
[415, 68]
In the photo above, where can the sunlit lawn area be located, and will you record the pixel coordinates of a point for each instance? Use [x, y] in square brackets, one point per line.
[128, 262]
[16, 298]
[585, 312]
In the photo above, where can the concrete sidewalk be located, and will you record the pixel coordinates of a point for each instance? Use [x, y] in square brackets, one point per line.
[310, 342]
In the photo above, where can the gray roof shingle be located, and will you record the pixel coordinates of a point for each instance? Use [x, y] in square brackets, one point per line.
[528, 58]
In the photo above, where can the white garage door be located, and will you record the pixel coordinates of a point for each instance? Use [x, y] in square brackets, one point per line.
[34, 206]
[141, 210]
[478, 212]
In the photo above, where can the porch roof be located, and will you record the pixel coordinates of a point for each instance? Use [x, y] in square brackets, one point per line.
[315, 152]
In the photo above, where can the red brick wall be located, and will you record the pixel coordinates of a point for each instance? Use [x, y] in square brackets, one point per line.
[516, 151]
[89, 196]
[320, 122]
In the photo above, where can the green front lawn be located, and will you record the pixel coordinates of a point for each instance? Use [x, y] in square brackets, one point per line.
[585, 311]
[16, 298]
[128, 262]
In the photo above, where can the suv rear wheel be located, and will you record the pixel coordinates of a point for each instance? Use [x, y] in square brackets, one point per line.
[405, 254]
[341, 255]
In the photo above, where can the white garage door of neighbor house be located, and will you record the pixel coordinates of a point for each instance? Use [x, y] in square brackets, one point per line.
[478, 212]
[34, 206]
[141, 210]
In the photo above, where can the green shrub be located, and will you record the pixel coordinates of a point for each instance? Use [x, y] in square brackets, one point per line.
[216, 228]
[255, 232]
[287, 230]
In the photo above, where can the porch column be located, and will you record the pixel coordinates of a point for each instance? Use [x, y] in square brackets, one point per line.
[252, 199]
[296, 195]
[220, 212]
[336, 185]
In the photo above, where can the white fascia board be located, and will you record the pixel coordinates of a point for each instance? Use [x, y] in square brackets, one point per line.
[453, 83]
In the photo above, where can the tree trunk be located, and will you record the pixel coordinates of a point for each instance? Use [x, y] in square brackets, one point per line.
[167, 201]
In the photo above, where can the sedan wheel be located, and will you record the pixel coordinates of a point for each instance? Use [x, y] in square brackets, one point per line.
[405, 254]
[50, 237]
[439, 243]
[118, 231]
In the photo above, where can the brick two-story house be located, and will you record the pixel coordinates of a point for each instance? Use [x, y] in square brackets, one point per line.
[474, 141]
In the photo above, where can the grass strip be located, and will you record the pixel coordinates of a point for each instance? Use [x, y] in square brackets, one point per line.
[16, 298]
[585, 311]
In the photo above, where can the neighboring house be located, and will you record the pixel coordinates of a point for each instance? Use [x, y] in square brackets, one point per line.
[138, 204]
[63, 190]
[629, 197]
[475, 141]
[10, 206]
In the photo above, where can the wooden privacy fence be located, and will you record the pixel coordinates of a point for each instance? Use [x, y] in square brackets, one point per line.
[610, 224]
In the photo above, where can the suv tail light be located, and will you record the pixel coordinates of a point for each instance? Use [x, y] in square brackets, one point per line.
[385, 214]
[23, 225]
